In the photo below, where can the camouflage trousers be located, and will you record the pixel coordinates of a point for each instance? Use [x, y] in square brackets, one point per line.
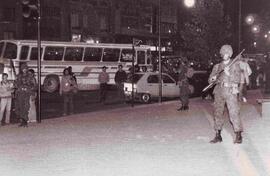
[184, 95]
[222, 98]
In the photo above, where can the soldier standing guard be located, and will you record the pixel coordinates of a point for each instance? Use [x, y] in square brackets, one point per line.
[184, 87]
[25, 86]
[225, 92]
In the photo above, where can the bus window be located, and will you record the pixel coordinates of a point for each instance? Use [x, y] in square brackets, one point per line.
[73, 54]
[24, 52]
[111, 54]
[34, 53]
[92, 54]
[126, 55]
[10, 51]
[53, 53]
[1, 48]
[141, 57]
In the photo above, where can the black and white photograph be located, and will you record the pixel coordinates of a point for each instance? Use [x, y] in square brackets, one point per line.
[135, 87]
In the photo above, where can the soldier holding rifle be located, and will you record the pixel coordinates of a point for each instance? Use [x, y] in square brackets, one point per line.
[227, 78]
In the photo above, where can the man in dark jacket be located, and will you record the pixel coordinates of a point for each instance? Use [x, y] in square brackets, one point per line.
[120, 78]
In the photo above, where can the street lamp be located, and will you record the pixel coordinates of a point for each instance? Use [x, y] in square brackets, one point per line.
[189, 3]
[250, 19]
[255, 29]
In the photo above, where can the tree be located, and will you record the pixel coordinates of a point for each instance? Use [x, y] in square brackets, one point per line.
[206, 31]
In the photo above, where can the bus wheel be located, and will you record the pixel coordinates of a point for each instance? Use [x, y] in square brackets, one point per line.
[51, 83]
[146, 98]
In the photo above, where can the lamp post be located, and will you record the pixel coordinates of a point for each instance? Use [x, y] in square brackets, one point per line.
[39, 63]
[188, 4]
[31, 9]
[159, 54]
[239, 25]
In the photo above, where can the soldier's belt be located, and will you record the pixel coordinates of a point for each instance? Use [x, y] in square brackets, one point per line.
[228, 84]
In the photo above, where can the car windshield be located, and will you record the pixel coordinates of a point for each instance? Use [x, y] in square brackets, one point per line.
[135, 79]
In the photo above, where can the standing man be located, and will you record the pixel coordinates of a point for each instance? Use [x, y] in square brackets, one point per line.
[6, 90]
[244, 81]
[24, 85]
[120, 78]
[225, 92]
[183, 86]
[103, 79]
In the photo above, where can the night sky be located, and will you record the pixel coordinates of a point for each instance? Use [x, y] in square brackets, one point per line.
[255, 6]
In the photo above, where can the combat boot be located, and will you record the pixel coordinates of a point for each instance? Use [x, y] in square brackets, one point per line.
[217, 138]
[181, 108]
[186, 107]
[238, 138]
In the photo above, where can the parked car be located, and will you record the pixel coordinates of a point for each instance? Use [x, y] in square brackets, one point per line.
[146, 86]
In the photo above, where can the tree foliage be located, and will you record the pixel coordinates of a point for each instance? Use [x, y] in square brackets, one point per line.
[205, 32]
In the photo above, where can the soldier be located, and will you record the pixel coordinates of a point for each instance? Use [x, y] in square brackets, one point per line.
[25, 86]
[184, 87]
[225, 92]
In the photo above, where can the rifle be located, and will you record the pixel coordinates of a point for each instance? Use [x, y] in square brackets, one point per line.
[221, 71]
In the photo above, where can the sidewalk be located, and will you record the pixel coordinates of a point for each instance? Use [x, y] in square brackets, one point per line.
[147, 140]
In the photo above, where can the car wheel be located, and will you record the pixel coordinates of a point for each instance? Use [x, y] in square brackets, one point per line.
[51, 84]
[146, 98]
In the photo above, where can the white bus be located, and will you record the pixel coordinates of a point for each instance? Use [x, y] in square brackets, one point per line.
[86, 60]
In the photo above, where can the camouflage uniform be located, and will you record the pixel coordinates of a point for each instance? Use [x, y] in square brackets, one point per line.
[184, 87]
[25, 86]
[226, 91]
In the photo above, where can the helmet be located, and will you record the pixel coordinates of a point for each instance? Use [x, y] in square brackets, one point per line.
[226, 49]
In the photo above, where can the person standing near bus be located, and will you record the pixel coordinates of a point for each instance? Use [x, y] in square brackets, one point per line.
[72, 73]
[244, 81]
[32, 115]
[120, 78]
[67, 87]
[103, 79]
[24, 85]
[6, 90]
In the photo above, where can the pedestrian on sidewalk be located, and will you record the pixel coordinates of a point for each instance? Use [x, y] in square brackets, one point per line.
[6, 90]
[68, 87]
[183, 86]
[244, 81]
[120, 78]
[225, 92]
[32, 115]
[103, 79]
[24, 85]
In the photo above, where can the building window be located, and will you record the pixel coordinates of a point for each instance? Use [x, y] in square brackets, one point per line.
[103, 23]
[51, 11]
[85, 21]
[8, 14]
[8, 35]
[74, 20]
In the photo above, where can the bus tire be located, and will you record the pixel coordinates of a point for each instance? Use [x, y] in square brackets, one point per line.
[51, 83]
[146, 98]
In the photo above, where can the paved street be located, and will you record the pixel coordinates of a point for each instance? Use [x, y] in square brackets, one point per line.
[147, 140]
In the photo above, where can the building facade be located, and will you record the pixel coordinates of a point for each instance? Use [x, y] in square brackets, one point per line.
[92, 20]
